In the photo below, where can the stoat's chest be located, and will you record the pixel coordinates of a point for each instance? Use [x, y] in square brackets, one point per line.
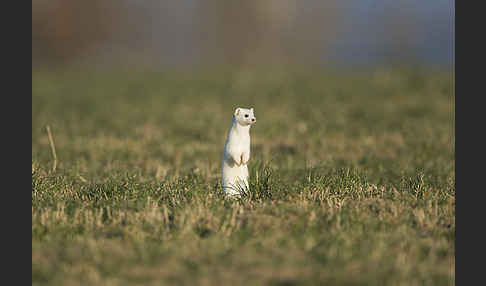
[238, 143]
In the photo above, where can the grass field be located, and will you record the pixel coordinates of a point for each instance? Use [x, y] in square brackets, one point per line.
[352, 177]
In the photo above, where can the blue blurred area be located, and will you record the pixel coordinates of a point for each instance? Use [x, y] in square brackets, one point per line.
[380, 31]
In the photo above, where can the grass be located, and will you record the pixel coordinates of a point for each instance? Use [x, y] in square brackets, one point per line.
[352, 179]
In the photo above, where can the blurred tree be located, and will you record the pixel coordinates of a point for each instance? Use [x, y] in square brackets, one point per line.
[273, 31]
[64, 29]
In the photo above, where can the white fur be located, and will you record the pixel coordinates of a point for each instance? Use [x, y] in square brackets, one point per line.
[237, 152]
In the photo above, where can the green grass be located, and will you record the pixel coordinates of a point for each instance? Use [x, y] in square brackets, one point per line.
[352, 179]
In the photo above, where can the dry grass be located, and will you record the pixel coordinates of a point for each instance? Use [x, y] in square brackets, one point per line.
[352, 175]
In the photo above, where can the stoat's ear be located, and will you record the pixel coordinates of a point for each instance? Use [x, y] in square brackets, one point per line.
[251, 109]
[237, 111]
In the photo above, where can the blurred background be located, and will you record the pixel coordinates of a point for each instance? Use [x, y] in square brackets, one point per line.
[353, 154]
[190, 34]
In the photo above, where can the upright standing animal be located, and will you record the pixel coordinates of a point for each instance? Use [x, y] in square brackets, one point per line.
[237, 152]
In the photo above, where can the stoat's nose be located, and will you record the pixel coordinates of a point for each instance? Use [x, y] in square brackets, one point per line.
[253, 119]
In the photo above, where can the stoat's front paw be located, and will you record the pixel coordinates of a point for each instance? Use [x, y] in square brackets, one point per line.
[244, 159]
[236, 160]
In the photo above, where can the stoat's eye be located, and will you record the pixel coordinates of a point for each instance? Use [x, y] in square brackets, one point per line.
[246, 115]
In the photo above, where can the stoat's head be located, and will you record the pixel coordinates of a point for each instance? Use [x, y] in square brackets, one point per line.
[244, 116]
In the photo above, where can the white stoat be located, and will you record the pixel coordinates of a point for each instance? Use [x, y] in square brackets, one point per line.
[237, 152]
